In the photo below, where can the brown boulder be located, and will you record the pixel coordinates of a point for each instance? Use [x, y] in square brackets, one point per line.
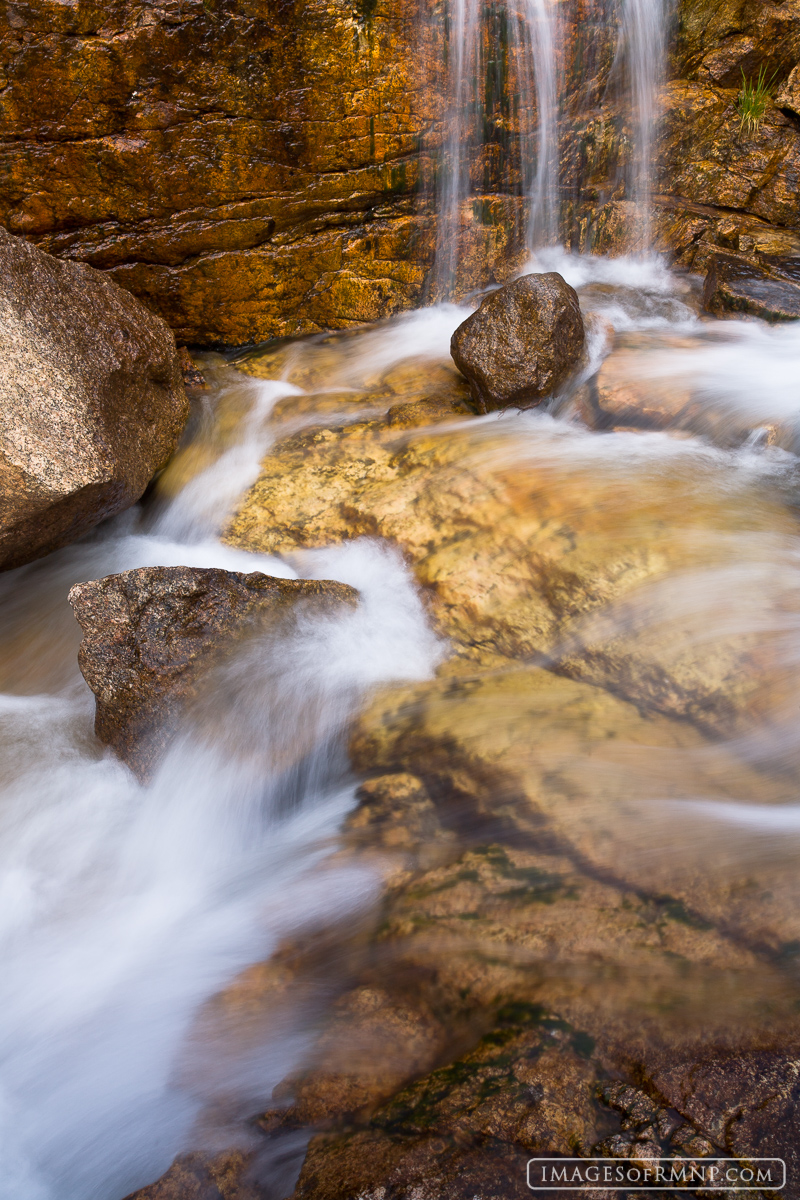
[93, 400]
[521, 343]
[202, 1177]
[150, 634]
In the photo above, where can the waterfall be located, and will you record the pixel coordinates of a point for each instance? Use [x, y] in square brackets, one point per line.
[543, 35]
[642, 44]
[507, 65]
[454, 182]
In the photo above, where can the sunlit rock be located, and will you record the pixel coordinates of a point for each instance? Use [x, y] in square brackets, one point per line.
[521, 343]
[542, 547]
[93, 400]
[151, 634]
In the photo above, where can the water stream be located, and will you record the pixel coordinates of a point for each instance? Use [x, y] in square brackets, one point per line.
[125, 908]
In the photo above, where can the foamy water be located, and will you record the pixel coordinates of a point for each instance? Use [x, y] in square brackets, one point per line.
[123, 908]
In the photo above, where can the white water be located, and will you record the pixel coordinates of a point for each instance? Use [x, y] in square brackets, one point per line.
[123, 908]
[643, 46]
[542, 35]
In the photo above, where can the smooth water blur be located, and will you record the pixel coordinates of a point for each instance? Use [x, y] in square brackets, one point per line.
[124, 909]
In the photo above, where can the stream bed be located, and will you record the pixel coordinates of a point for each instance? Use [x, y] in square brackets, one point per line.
[578, 637]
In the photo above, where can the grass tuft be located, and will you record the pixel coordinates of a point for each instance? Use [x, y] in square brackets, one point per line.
[753, 99]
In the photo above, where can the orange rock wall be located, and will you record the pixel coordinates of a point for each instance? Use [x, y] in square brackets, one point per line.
[247, 167]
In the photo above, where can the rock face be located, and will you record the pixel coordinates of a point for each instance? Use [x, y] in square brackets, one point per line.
[289, 189]
[93, 400]
[150, 634]
[736, 286]
[521, 343]
[788, 98]
[246, 169]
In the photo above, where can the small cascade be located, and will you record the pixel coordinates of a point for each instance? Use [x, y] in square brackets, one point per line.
[544, 38]
[499, 153]
[511, 70]
[642, 47]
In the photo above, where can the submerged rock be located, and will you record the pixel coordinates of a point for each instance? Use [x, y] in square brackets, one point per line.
[633, 391]
[521, 343]
[204, 1177]
[736, 286]
[150, 634]
[519, 549]
[93, 400]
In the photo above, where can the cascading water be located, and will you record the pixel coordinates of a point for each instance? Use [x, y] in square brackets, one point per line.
[507, 72]
[642, 48]
[542, 37]
[123, 908]
[501, 126]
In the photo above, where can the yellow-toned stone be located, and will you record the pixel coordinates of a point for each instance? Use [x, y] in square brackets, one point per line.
[528, 541]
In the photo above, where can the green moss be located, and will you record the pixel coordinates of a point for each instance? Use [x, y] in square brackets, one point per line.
[675, 910]
[583, 1044]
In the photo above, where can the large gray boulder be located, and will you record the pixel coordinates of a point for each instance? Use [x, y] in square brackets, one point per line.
[522, 342]
[92, 399]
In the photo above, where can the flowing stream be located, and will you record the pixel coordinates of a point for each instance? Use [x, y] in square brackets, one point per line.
[124, 909]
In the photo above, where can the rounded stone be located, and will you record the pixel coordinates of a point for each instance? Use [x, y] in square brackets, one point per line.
[521, 343]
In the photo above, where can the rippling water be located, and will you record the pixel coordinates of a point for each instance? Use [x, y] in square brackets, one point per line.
[123, 909]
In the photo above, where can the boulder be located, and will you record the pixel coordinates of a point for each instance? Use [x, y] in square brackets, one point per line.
[736, 286]
[92, 396]
[521, 343]
[152, 633]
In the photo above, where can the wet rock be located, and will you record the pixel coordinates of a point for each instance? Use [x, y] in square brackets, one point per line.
[504, 942]
[518, 553]
[203, 1177]
[788, 96]
[150, 634]
[748, 1103]
[241, 195]
[522, 342]
[622, 399]
[192, 375]
[373, 1042]
[734, 286]
[468, 1128]
[635, 389]
[93, 400]
[563, 760]
[704, 158]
